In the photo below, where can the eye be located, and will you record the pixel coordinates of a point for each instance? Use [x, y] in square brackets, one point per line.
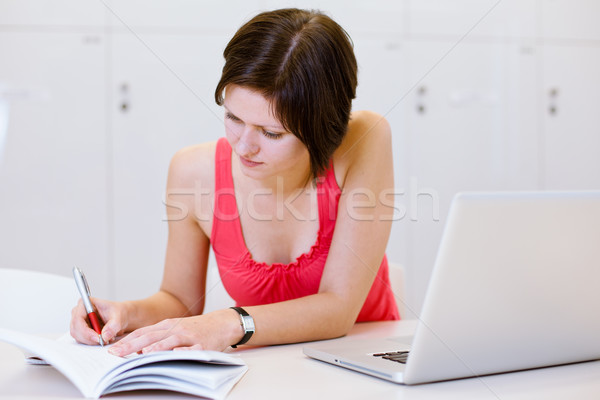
[232, 117]
[272, 135]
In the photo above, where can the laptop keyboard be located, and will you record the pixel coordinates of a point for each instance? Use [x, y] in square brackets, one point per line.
[396, 356]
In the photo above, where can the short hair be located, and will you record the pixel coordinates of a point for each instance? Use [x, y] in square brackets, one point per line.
[303, 63]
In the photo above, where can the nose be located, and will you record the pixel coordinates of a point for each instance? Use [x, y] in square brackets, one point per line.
[247, 144]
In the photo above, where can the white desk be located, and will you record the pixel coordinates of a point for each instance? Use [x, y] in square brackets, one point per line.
[283, 372]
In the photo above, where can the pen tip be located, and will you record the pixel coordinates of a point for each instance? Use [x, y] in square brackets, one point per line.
[100, 340]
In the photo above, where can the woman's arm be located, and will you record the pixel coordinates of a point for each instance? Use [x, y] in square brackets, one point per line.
[184, 279]
[182, 290]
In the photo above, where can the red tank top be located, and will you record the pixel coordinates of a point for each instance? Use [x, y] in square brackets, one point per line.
[252, 283]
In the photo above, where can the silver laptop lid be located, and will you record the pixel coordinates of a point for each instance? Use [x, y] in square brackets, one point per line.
[516, 285]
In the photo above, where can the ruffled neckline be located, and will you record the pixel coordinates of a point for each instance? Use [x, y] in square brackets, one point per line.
[300, 260]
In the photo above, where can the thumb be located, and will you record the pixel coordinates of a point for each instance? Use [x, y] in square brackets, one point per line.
[110, 330]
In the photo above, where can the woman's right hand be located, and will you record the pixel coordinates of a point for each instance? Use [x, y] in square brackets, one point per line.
[114, 315]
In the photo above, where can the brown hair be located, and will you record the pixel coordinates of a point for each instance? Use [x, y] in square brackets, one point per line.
[303, 63]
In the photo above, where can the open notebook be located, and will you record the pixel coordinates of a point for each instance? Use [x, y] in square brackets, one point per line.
[516, 285]
[95, 372]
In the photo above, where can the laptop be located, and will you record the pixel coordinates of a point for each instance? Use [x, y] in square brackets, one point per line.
[515, 286]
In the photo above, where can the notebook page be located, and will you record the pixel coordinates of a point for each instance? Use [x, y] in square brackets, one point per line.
[81, 364]
[208, 375]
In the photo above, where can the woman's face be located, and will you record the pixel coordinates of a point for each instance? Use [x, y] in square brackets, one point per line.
[264, 148]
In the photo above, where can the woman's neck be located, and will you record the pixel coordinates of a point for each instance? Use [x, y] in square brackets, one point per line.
[285, 183]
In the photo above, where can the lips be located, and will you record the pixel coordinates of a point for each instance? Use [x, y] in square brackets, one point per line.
[249, 163]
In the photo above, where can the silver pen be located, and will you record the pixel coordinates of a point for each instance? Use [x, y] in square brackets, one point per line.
[84, 291]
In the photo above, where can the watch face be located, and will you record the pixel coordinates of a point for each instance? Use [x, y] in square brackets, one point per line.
[248, 323]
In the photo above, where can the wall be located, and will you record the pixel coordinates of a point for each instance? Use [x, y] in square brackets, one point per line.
[481, 95]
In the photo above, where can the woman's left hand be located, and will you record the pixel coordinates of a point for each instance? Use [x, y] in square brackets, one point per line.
[213, 331]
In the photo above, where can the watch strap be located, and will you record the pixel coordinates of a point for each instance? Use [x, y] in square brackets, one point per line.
[247, 324]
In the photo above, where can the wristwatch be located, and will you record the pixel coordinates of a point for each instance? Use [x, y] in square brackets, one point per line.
[247, 324]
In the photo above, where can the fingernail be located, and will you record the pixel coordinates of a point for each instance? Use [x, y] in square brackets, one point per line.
[115, 351]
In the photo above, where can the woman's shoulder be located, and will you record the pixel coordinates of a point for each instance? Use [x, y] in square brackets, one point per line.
[367, 124]
[193, 164]
[368, 138]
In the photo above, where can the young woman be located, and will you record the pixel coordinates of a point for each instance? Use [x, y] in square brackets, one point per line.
[296, 208]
